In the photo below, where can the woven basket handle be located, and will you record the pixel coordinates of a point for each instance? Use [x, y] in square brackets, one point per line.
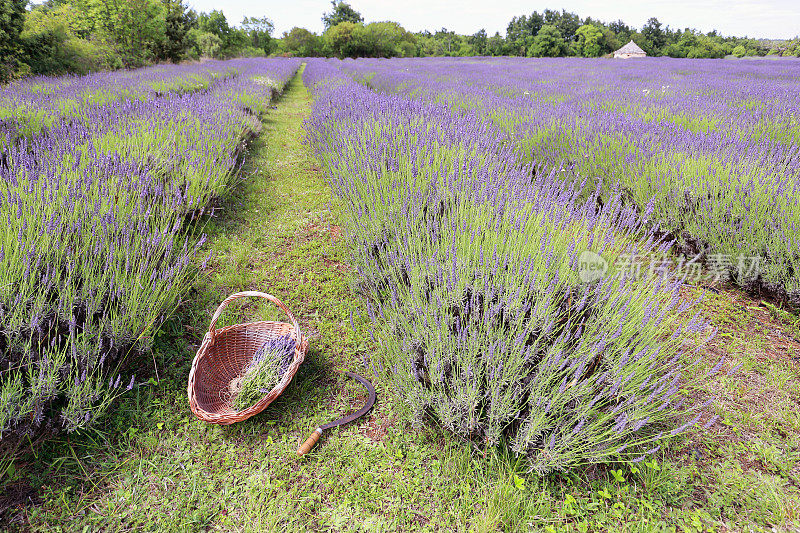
[245, 294]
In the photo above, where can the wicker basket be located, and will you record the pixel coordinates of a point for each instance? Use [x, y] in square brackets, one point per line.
[224, 356]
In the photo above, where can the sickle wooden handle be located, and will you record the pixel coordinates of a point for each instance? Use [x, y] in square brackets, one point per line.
[310, 442]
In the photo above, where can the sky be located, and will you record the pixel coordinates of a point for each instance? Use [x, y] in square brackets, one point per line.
[776, 19]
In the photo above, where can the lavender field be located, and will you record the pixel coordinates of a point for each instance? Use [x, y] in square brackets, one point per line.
[101, 179]
[574, 283]
[711, 150]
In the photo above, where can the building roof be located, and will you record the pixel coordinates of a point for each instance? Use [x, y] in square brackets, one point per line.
[630, 48]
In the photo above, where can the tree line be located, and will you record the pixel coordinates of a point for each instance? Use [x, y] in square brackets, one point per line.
[79, 36]
[548, 34]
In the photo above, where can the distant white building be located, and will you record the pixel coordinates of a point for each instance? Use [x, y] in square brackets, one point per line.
[628, 51]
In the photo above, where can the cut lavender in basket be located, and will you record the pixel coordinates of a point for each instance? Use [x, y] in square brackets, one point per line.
[263, 373]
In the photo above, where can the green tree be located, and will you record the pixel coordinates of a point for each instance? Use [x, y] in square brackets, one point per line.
[95, 20]
[206, 44]
[622, 33]
[377, 39]
[134, 29]
[739, 51]
[612, 41]
[259, 32]
[655, 37]
[478, 40]
[548, 43]
[385, 39]
[137, 31]
[449, 41]
[590, 41]
[407, 49]
[214, 23]
[178, 22]
[141, 31]
[50, 45]
[233, 41]
[429, 46]
[495, 45]
[567, 23]
[342, 12]
[343, 40]
[521, 31]
[12, 20]
[300, 42]
[695, 45]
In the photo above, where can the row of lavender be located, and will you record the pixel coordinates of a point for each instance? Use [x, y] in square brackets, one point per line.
[471, 271]
[96, 201]
[713, 146]
[36, 104]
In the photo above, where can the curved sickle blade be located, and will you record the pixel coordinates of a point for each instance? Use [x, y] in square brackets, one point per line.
[361, 412]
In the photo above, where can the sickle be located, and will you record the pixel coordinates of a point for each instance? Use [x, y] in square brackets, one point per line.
[312, 440]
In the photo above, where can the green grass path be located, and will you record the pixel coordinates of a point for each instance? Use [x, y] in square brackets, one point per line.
[153, 466]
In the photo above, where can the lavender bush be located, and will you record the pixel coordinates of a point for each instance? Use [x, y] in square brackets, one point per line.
[471, 272]
[100, 179]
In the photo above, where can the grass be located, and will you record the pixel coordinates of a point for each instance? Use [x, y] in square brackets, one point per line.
[152, 466]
